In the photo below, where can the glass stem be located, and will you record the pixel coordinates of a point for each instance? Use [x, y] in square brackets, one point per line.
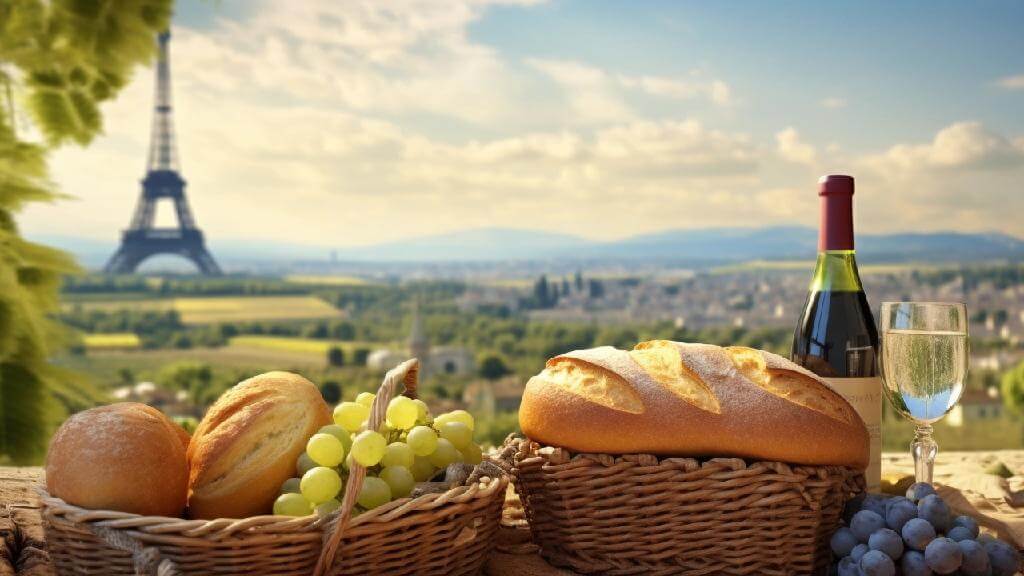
[924, 449]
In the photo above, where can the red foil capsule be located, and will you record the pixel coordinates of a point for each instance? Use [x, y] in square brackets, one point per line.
[836, 229]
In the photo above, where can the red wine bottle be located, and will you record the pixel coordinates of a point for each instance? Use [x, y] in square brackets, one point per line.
[836, 336]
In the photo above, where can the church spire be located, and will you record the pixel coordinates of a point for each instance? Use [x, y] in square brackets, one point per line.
[419, 346]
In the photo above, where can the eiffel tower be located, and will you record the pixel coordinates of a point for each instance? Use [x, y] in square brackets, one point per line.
[163, 181]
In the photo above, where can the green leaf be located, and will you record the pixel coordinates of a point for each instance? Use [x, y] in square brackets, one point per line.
[22, 413]
[52, 112]
[46, 79]
[62, 57]
[78, 76]
[101, 89]
[87, 111]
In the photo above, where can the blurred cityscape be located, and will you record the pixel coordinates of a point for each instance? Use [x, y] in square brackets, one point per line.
[178, 341]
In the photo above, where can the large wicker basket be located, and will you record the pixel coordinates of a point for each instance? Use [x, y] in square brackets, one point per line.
[640, 514]
[442, 533]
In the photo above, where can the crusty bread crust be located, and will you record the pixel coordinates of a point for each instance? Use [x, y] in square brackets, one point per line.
[801, 420]
[247, 444]
[182, 435]
[126, 456]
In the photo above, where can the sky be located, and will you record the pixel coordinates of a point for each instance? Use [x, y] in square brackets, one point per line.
[347, 123]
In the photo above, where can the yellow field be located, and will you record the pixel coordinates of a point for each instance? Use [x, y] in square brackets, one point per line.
[527, 283]
[208, 310]
[329, 280]
[516, 283]
[302, 345]
[118, 341]
[757, 265]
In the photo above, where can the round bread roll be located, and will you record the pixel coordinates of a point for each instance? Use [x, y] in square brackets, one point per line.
[247, 444]
[126, 456]
[676, 399]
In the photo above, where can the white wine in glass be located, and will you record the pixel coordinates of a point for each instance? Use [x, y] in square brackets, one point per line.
[924, 358]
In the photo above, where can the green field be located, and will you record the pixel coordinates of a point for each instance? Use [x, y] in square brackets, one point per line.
[213, 309]
[115, 341]
[514, 283]
[1000, 434]
[298, 345]
[329, 280]
[104, 367]
[103, 364]
[245, 353]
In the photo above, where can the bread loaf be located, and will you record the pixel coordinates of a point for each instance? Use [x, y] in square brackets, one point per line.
[671, 398]
[247, 444]
[127, 457]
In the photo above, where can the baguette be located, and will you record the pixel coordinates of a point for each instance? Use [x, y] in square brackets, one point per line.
[678, 399]
[247, 444]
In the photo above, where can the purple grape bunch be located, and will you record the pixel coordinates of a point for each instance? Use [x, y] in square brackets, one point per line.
[916, 535]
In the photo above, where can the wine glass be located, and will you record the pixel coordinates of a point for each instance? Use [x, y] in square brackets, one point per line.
[923, 360]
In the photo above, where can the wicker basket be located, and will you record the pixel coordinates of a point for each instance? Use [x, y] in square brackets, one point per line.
[443, 533]
[640, 514]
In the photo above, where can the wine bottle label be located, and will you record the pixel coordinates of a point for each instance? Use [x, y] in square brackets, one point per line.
[865, 395]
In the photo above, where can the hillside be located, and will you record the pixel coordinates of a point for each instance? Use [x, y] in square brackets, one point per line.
[692, 247]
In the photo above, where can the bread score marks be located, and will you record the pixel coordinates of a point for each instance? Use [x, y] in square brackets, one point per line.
[592, 383]
[787, 384]
[245, 451]
[663, 363]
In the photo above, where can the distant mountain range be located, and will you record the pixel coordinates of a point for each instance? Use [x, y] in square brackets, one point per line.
[690, 247]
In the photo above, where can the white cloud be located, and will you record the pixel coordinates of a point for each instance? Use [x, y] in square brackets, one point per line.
[959, 146]
[833, 102]
[966, 178]
[596, 96]
[308, 173]
[400, 57]
[791, 148]
[589, 92]
[571, 73]
[328, 125]
[716, 91]
[1011, 82]
[681, 148]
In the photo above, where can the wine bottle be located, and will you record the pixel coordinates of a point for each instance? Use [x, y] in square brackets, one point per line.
[836, 336]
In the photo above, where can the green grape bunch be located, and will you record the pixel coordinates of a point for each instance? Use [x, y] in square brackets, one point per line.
[409, 447]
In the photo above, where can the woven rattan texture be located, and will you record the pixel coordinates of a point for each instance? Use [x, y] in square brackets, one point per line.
[640, 514]
[449, 533]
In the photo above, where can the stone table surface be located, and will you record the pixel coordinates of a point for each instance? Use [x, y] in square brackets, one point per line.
[22, 543]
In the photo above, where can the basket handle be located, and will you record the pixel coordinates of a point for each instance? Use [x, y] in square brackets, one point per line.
[510, 449]
[406, 374]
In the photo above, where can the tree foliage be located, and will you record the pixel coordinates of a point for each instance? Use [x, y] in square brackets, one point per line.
[335, 356]
[331, 391]
[192, 377]
[1012, 389]
[492, 367]
[59, 60]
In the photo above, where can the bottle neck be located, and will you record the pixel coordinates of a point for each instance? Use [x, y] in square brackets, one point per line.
[835, 231]
[836, 271]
